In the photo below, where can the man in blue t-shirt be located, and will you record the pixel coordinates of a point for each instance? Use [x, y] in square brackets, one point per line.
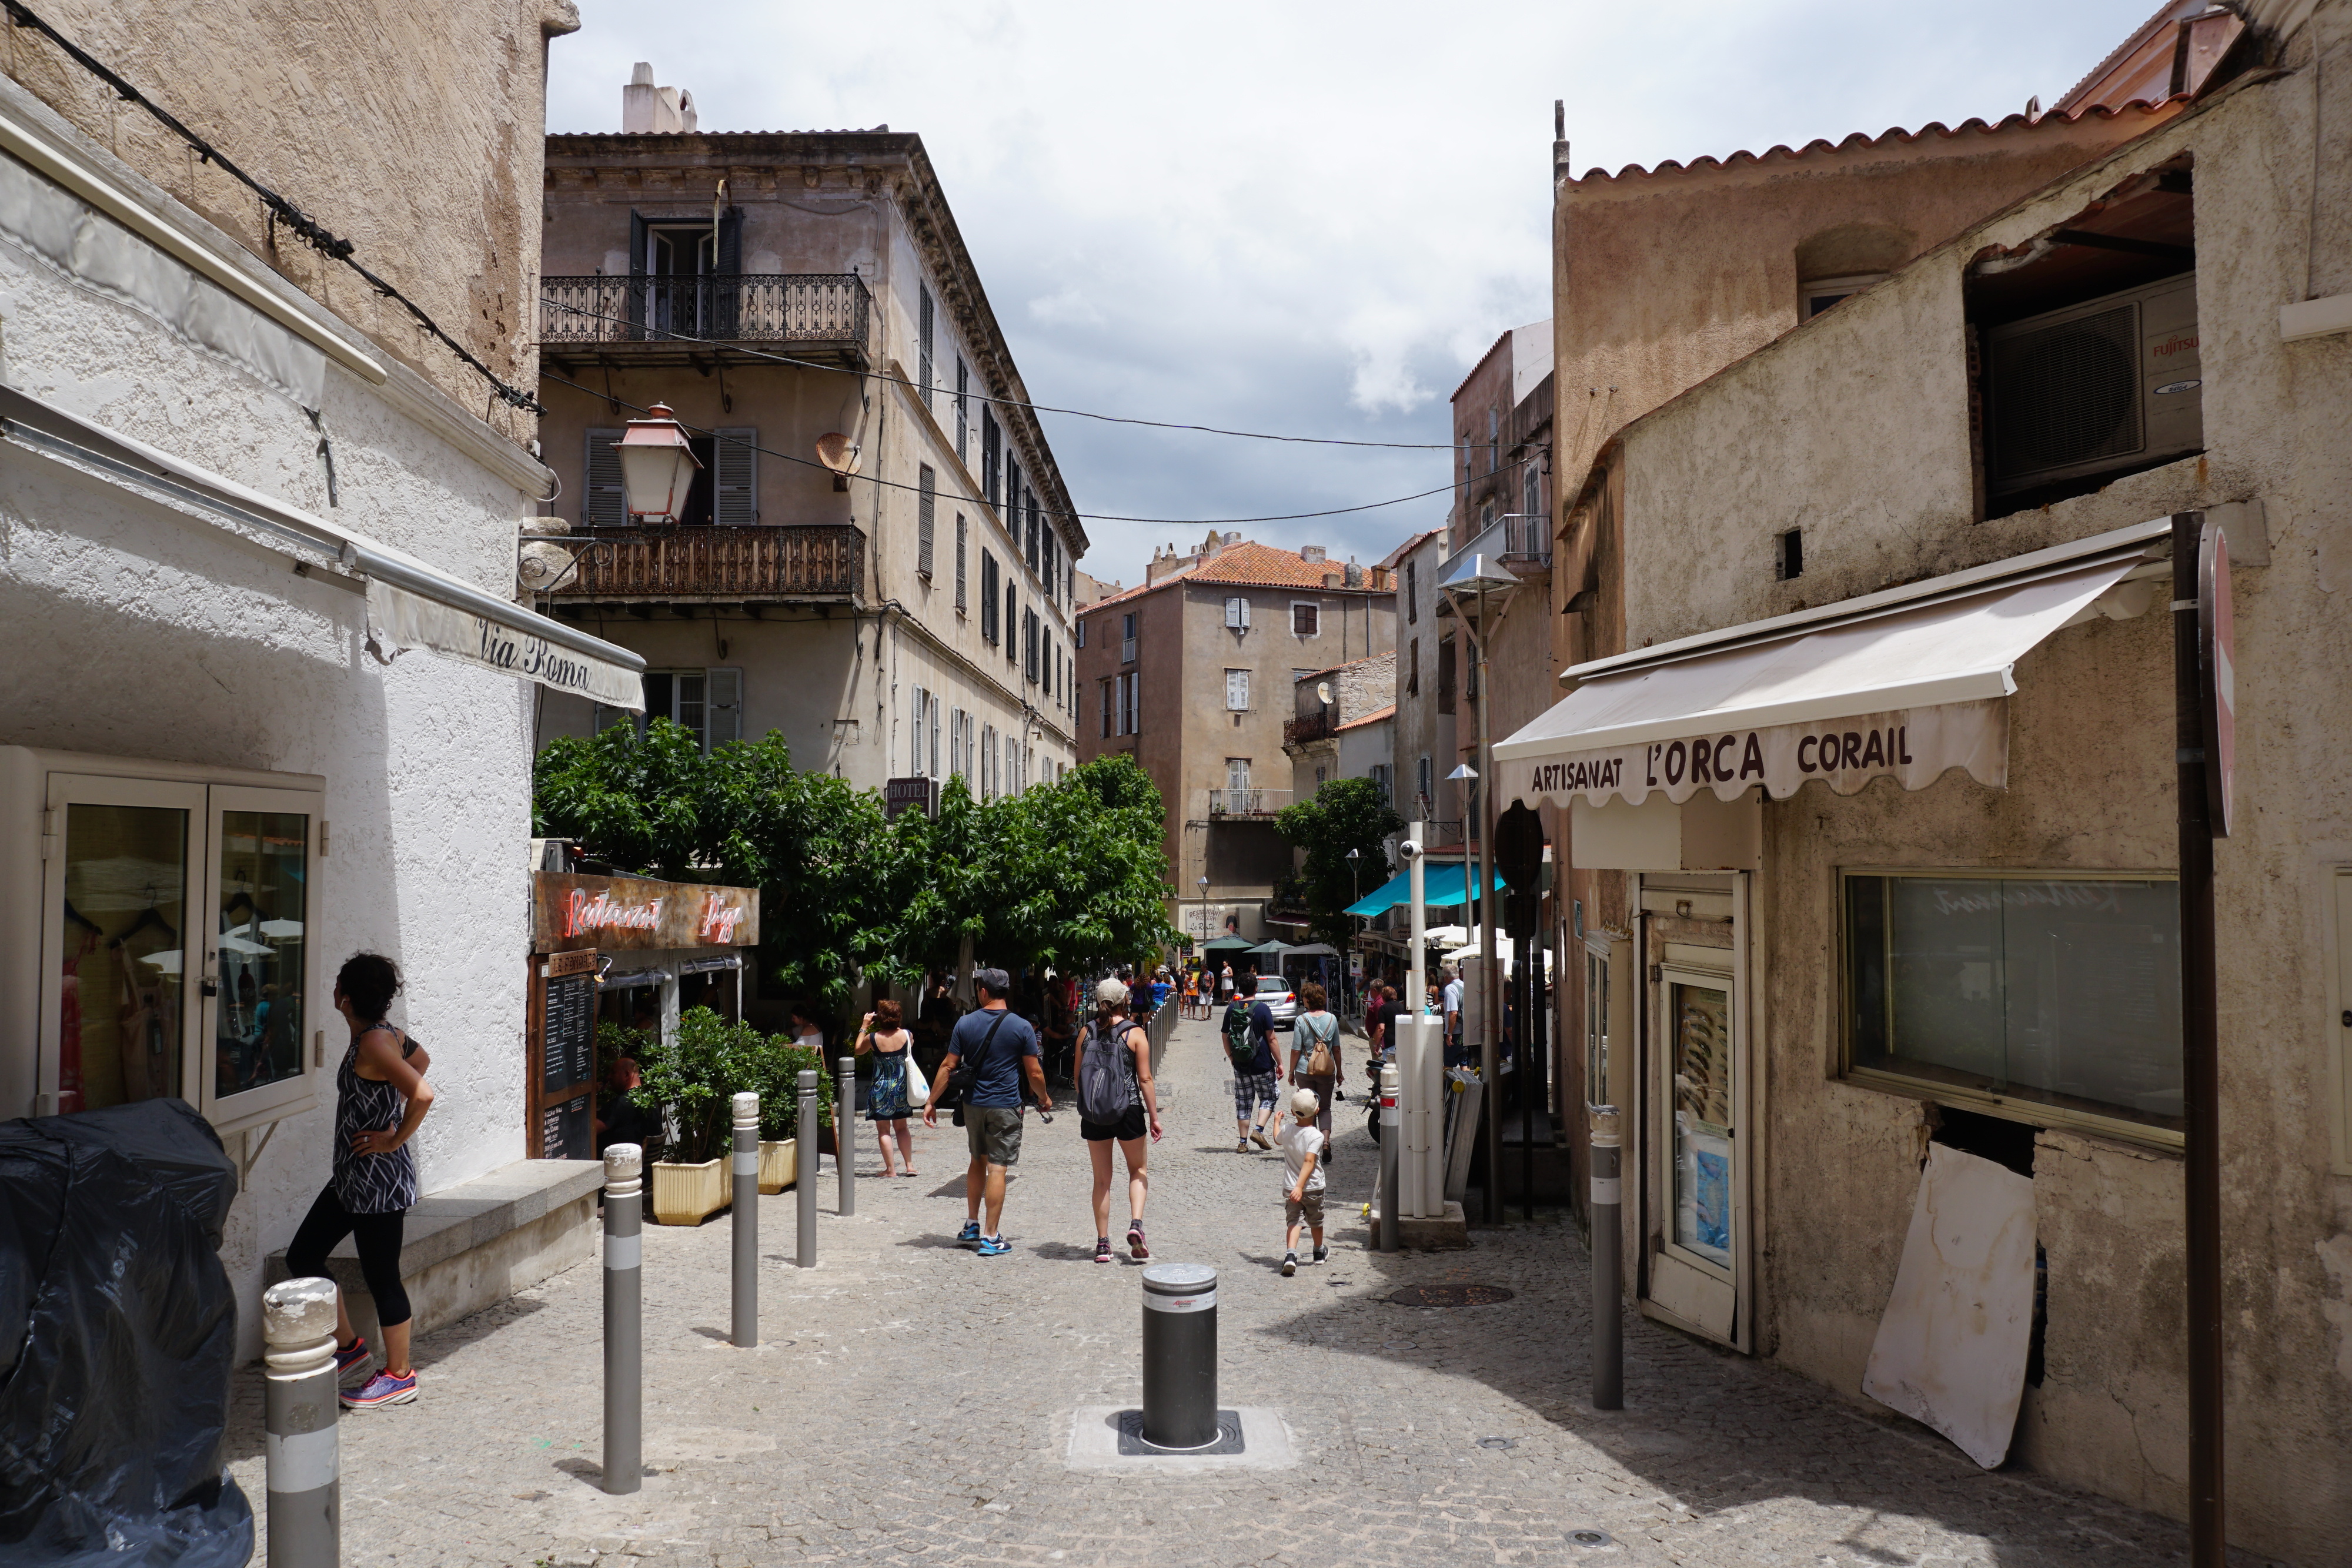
[1005, 1048]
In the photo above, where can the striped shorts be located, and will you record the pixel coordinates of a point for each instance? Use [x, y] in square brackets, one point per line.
[1252, 1090]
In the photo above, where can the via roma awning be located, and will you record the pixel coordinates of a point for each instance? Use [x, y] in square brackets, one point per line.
[1909, 682]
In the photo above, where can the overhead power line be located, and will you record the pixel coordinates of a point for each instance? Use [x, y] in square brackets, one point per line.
[1083, 516]
[281, 211]
[666, 335]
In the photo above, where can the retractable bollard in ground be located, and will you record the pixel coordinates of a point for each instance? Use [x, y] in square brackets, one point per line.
[297, 1326]
[1180, 1355]
[845, 1147]
[746, 1312]
[1391, 1138]
[804, 1182]
[1608, 1246]
[625, 1316]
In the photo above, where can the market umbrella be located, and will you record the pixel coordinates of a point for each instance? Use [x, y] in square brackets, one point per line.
[1227, 944]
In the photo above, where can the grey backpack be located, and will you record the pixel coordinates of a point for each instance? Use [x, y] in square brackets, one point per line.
[1105, 1076]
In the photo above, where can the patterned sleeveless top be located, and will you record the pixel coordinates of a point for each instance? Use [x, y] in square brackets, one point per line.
[369, 1184]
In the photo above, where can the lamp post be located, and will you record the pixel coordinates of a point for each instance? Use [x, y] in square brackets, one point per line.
[1355, 881]
[657, 467]
[1474, 582]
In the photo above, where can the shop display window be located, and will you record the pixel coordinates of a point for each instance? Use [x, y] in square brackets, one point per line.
[121, 1002]
[2053, 998]
[1698, 1015]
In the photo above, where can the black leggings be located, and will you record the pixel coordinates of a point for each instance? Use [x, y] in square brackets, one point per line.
[375, 1236]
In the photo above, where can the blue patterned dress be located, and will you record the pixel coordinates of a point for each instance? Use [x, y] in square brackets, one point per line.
[887, 1099]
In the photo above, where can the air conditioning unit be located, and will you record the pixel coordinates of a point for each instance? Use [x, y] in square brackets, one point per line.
[2105, 384]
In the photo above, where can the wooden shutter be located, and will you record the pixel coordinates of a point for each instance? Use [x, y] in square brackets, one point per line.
[1012, 619]
[724, 694]
[927, 487]
[603, 501]
[923, 343]
[987, 598]
[1237, 690]
[959, 540]
[734, 474]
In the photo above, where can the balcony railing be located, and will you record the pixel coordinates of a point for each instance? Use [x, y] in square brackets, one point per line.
[730, 561]
[831, 309]
[1247, 802]
[1319, 725]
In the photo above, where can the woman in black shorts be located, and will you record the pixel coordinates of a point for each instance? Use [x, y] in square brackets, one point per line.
[1114, 1031]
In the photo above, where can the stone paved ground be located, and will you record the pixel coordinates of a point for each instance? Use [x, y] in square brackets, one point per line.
[913, 1403]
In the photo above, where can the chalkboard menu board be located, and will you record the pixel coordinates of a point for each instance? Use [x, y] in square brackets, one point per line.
[569, 1056]
[567, 1132]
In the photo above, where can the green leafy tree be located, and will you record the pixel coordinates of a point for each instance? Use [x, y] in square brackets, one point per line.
[640, 801]
[1344, 814]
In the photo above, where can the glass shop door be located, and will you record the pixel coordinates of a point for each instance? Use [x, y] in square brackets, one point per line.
[263, 1002]
[1697, 1176]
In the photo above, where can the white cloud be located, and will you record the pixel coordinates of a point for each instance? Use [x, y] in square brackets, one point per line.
[1304, 219]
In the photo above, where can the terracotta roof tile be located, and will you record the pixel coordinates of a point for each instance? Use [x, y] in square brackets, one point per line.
[1248, 565]
[1857, 141]
[1373, 717]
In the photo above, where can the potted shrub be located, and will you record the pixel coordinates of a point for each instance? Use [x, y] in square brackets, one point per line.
[692, 1080]
[780, 1063]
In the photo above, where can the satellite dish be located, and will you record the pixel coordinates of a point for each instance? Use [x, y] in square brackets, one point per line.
[1323, 692]
[840, 454]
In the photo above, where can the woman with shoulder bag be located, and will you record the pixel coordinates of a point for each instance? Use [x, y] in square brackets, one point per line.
[1115, 1102]
[1314, 1055]
[892, 1098]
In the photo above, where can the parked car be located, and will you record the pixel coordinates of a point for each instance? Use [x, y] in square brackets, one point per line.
[1276, 993]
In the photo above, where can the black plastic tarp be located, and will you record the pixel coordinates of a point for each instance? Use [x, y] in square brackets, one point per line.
[118, 1330]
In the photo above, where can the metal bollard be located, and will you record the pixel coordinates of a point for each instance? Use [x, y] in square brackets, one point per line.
[845, 1147]
[1392, 1137]
[1607, 1262]
[1180, 1355]
[805, 1181]
[624, 1318]
[297, 1325]
[746, 1314]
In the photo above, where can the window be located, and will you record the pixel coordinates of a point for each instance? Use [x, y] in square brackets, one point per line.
[1029, 646]
[1445, 674]
[1383, 778]
[707, 703]
[1106, 710]
[1053, 549]
[960, 543]
[918, 717]
[2056, 989]
[734, 476]
[1412, 668]
[1494, 439]
[955, 742]
[602, 502]
[1012, 502]
[1531, 506]
[1306, 620]
[923, 343]
[1413, 592]
[1012, 619]
[1822, 293]
[927, 497]
[988, 631]
[1128, 689]
[1036, 553]
[1127, 637]
[1046, 659]
[1237, 612]
[992, 443]
[1426, 800]
[1237, 690]
[1789, 555]
[1320, 775]
[1237, 773]
[1078, 630]
[963, 411]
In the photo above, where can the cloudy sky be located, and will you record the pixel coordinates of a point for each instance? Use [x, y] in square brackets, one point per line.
[1308, 219]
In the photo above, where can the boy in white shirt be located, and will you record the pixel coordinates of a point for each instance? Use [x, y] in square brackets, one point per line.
[1302, 1195]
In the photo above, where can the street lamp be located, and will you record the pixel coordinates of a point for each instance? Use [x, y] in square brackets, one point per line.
[1474, 582]
[657, 467]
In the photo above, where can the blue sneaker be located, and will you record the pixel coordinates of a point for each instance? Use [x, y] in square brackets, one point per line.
[994, 1247]
[384, 1388]
[353, 1358]
[969, 1234]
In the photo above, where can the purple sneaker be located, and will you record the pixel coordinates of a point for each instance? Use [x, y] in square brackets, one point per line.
[353, 1358]
[384, 1388]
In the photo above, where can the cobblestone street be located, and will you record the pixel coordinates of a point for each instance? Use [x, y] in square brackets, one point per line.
[913, 1403]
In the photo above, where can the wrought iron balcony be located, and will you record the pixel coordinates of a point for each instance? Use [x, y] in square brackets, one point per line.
[718, 562]
[1320, 725]
[1247, 802]
[833, 312]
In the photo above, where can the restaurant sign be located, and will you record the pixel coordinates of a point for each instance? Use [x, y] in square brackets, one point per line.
[626, 911]
[1915, 746]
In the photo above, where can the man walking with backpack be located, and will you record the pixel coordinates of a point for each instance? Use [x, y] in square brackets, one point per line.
[989, 1052]
[1249, 1044]
[1115, 1097]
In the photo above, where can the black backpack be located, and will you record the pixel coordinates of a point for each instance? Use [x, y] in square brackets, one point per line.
[1106, 1085]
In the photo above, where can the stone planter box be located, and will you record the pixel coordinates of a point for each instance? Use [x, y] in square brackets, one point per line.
[778, 1164]
[688, 1194]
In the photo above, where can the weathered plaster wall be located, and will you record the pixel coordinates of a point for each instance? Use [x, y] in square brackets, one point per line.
[1855, 427]
[413, 132]
[1421, 729]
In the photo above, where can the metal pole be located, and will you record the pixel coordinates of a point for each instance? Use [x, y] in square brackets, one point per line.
[747, 1221]
[625, 1317]
[1490, 1055]
[1414, 1101]
[1392, 1137]
[1608, 1259]
[845, 1149]
[2200, 1063]
[1530, 1001]
[804, 1162]
[299, 1407]
[1180, 1355]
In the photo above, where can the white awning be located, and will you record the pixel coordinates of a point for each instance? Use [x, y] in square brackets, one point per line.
[410, 603]
[1909, 682]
